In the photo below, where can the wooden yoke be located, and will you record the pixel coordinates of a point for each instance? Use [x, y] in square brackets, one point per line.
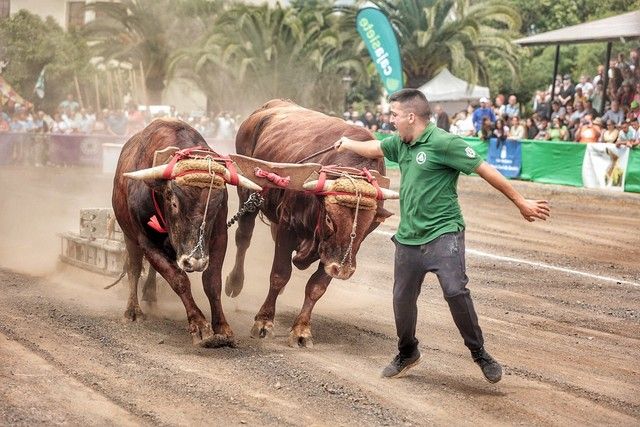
[297, 174]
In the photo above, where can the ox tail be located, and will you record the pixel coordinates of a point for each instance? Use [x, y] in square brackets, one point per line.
[117, 281]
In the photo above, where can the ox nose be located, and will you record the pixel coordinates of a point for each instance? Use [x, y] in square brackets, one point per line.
[190, 264]
[337, 271]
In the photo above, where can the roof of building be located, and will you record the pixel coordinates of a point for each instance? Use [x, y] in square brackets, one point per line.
[614, 28]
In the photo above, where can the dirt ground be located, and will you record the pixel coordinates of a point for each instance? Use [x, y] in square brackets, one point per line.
[559, 303]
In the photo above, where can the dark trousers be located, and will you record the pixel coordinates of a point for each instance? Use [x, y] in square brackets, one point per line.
[443, 256]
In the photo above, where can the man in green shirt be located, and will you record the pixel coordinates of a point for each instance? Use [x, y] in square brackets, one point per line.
[430, 237]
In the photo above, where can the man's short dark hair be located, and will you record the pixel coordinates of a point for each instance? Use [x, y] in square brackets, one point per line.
[415, 100]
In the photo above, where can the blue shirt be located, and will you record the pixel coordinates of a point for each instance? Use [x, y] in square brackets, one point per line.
[481, 113]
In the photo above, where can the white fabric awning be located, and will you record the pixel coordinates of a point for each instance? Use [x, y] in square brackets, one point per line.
[614, 28]
[447, 87]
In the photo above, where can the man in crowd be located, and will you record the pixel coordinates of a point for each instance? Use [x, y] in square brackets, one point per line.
[615, 114]
[480, 113]
[512, 109]
[430, 236]
[440, 118]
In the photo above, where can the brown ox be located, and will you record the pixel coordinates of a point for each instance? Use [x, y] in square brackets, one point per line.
[301, 221]
[181, 204]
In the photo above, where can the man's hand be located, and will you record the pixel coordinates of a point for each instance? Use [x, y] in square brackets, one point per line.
[369, 149]
[532, 209]
[338, 144]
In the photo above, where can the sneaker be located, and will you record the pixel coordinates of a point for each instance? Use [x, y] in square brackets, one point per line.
[490, 367]
[400, 365]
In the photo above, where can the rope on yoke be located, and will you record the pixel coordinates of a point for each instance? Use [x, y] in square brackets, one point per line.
[352, 236]
[198, 246]
[278, 180]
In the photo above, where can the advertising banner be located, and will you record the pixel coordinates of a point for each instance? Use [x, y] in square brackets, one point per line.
[375, 29]
[79, 150]
[505, 156]
[604, 166]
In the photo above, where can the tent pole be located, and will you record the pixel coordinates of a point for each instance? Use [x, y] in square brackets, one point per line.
[606, 77]
[553, 78]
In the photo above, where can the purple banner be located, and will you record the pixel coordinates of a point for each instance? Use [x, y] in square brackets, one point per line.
[79, 150]
[75, 149]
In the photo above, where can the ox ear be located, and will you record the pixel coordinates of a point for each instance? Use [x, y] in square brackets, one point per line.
[290, 176]
[161, 157]
[382, 214]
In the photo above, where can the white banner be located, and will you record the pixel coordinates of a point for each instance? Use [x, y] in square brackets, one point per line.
[604, 166]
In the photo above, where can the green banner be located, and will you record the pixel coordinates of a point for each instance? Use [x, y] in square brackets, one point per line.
[632, 179]
[375, 29]
[552, 162]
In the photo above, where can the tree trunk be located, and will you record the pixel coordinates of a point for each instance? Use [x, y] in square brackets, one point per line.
[417, 81]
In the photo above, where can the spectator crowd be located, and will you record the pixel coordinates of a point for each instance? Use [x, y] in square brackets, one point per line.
[72, 119]
[569, 111]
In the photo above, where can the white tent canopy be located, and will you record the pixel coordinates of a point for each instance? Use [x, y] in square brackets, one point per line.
[447, 87]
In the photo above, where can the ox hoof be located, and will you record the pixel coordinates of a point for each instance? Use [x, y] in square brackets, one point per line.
[201, 334]
[233, 284]
[262, 329]
[299, 341]
[133, 314]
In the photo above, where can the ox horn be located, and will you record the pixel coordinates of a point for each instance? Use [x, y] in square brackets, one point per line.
[158, 171]
[386, 193]
[242, 181]
[150, 173]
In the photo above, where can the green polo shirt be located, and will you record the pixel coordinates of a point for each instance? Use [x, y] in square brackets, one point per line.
[430, 167]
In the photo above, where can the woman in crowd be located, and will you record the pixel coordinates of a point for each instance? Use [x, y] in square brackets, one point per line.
[558, 131]
[501, 130]
[610, 134]
[486, 130]
[517, 131]
[532, 129]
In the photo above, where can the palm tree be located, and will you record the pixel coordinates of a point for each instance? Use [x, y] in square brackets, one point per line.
[136, 31]
[458, 34]
[254, 53]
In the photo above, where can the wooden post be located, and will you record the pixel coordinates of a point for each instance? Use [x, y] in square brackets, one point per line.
[116, 77]
[75, 79]
[109, 89]
[144, 85]
[132, 83]
[606, 78]
[95, 79]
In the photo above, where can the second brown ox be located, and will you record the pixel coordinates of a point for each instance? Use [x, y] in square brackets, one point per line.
[309, 224]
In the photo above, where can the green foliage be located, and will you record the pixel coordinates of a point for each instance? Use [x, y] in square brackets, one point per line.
[457, 34]
[137, 31]
[255, 53]
[536, 63]
[29, 43]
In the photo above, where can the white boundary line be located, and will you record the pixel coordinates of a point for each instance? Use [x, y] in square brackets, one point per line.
[535, 264]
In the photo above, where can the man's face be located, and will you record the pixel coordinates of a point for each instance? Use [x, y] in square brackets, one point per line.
[403, 121]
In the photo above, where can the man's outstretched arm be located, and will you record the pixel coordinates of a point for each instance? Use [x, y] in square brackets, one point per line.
[530, 209]
[369, 149]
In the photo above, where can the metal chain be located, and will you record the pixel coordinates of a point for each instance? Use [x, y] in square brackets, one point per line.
[254, 201]
[349, 252]
[204, 218]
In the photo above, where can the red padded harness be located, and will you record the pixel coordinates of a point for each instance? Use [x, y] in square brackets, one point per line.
[157, 221]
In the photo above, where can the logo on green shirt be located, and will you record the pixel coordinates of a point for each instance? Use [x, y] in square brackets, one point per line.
[421, 157]
[470, 153]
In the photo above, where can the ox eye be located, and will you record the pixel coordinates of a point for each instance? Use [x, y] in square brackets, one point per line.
[327, 220]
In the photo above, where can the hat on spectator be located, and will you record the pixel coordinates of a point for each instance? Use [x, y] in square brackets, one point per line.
[567, 77]
[634, 105]
[483, 99]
